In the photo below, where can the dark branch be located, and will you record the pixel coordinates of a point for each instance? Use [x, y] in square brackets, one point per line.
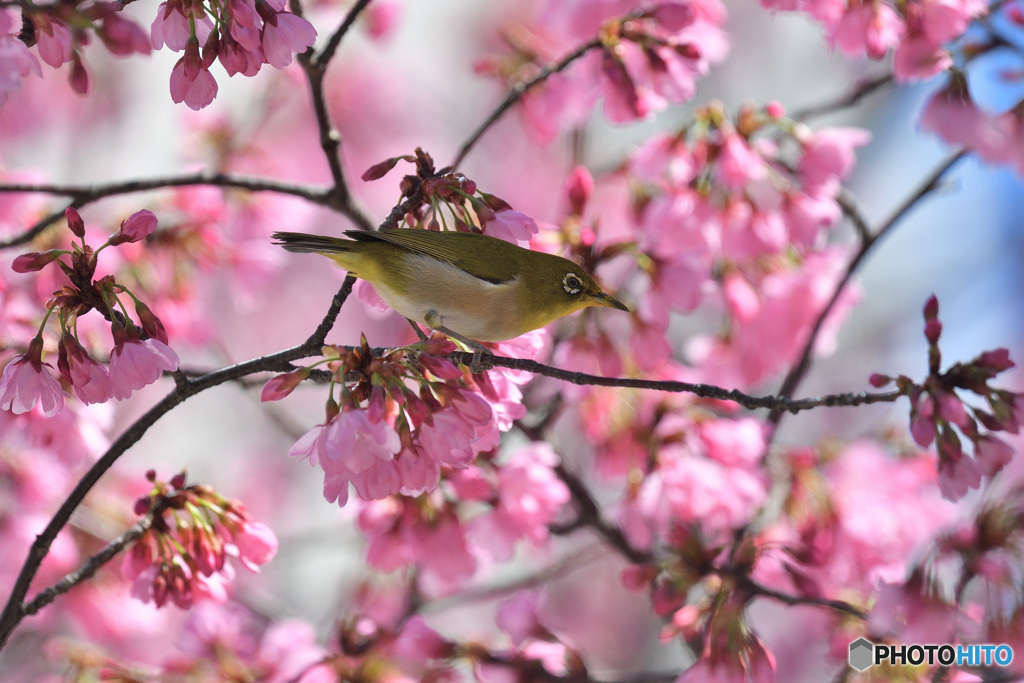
[86, 194]
[799, 370]
[780, 403]
[91, 566]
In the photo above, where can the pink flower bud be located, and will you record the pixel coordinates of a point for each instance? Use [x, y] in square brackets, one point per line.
[150, 323]
[578, 188]
[78, 77]
[75, 222]
[775, 109]
[142, 505]
[378, 171]
[996, 360]
[279, 386]
[441, 368]
[932, 331]
[178, 480]
[931, 308]
[878, 380]
[136, 227]
[33, 261]
[437, 346]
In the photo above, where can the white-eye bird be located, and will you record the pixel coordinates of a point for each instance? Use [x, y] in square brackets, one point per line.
[467, 285]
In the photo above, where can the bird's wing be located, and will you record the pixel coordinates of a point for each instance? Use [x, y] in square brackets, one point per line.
[500, 262]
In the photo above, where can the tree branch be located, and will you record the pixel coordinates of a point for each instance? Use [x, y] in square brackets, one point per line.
[517, 92]
[14, 611]
[799, 370]
[87, 194]
[780, 403]
[91, 566]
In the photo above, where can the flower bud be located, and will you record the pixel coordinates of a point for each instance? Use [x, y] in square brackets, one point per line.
[878, 380]
[136, 227]
[379, 170]
[279, 386]
[27, 263]
[578, 188]
[75, 222]
[150, 323]
[931, 308]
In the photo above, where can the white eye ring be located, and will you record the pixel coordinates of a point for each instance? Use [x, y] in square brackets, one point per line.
[572, 284]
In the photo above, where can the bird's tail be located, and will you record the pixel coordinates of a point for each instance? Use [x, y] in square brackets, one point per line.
[301, 242]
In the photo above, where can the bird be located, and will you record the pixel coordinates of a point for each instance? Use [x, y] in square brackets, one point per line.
[469, 286]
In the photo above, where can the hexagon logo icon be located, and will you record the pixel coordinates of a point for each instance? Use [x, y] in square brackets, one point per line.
[861, 654]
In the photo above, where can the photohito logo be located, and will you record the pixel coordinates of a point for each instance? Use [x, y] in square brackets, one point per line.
[865, 654]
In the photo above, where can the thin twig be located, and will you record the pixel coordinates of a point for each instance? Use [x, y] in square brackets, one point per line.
[90, 567]
[87, 194]
[856, 94]
[799, 370]
[325, 55]
[780, 403]
[517, 92]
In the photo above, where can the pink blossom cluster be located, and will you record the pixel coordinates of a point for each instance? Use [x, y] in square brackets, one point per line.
[650, 56]
[938, 413]
[182, 557]
[243, 35]
[384, 437]
[697, 470]
[918, 32]
[60, 31]
[952, 114]
[140, 354]
[739, 208]
[474, 518]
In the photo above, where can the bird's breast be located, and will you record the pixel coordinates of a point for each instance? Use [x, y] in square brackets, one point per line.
[469, 306]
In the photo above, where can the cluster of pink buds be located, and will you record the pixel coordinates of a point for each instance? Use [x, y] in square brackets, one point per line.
[62, 30]
[383, 436]
[182, 556]
[140, 354]
[937, 412]
[430, 192]
[243, 34]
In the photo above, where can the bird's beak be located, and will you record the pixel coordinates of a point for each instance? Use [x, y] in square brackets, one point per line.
[602, 299]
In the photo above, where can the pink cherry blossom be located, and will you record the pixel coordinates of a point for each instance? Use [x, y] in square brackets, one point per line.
[256, 544]
[53, 39]
[354, 449]
[136, 363]
[529, 497]
[197, 93]
[25, 383]
[992, 454]
[828, 155]
[89, 379]
[284, 34]
[16, 61]
[512, 226]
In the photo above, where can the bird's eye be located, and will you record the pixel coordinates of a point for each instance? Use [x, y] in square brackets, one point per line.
[572, 284]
